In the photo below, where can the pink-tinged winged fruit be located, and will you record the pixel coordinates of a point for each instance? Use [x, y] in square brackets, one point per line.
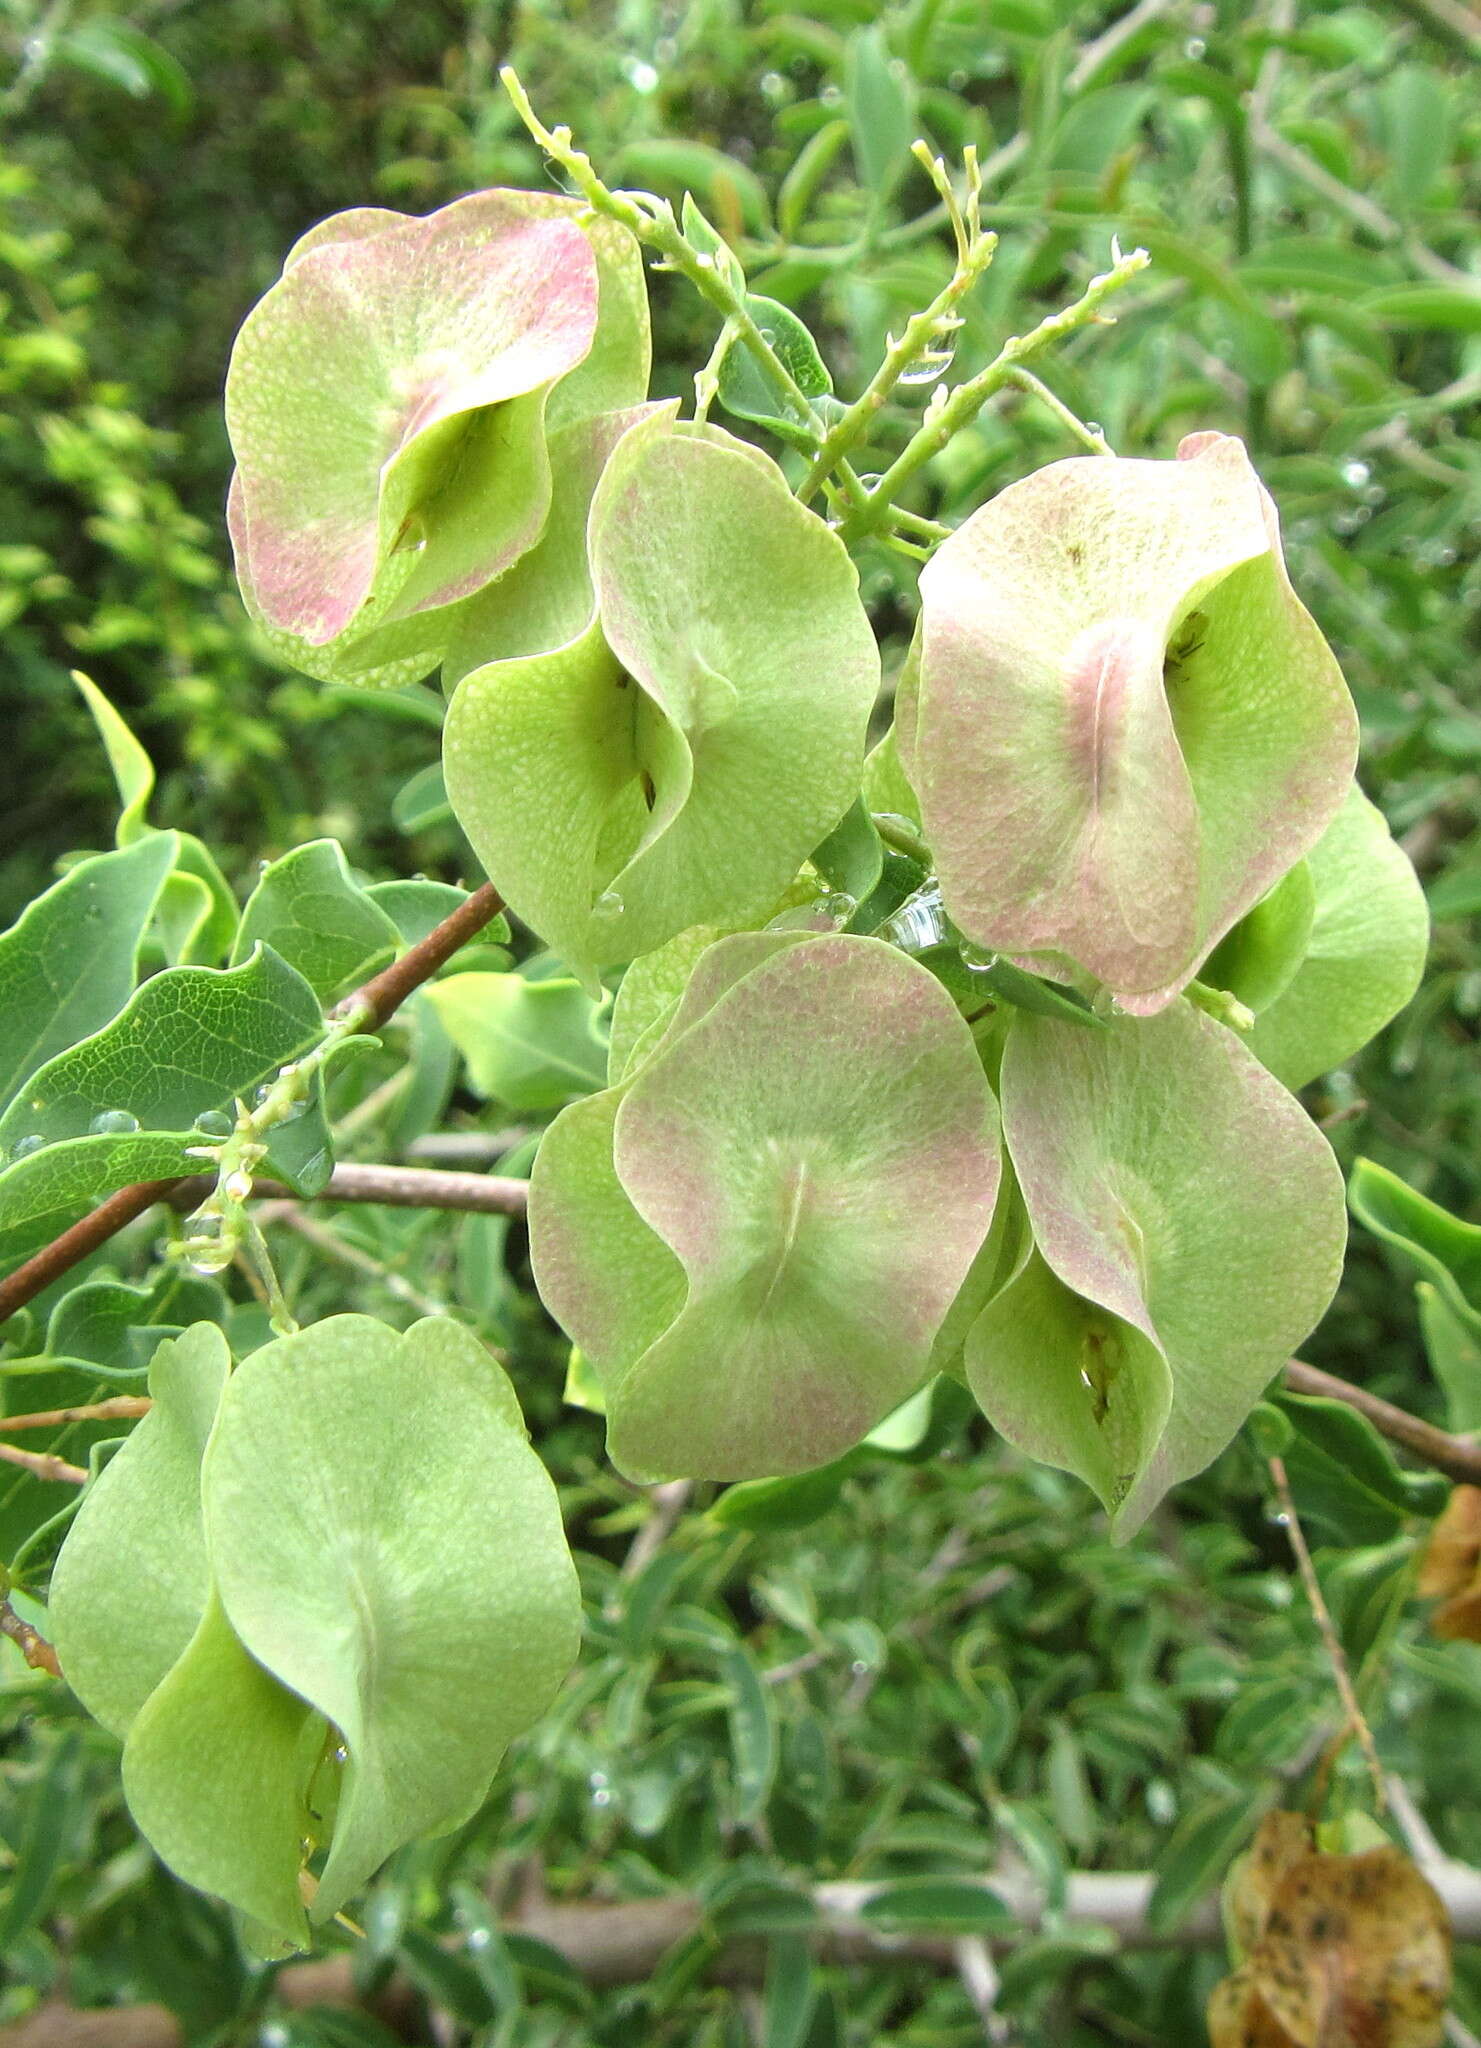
[677, 758]
[1188, 1227]
[1122, 724]
[389, 403]
[755, 1236]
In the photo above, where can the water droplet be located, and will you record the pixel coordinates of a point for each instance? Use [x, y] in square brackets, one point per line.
[339, 1754]
[831, 96]
[113, 1123]
[936, 358]
[1355, 474]
[957, 80]
[214, 1123]
[297, 1109]
[273, 2035]
[919, 923]
[209, 1260]
[1194, 47]
[774, 87]
[858, 1667]
[640, 74]
[608, 904]
[24, 1147]
[1094, 427]
[601, 1798]
[479, 1938]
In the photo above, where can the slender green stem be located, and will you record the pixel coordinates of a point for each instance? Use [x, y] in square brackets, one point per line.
[653, 223]
[963, 405]
[1092, 437]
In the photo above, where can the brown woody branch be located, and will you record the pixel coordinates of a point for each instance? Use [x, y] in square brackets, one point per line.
[372, 1005]
[390, 1187]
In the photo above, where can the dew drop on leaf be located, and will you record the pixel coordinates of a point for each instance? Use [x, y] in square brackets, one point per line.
[117, 1123]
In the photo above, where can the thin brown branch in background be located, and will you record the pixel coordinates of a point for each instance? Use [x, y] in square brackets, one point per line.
[95, 1411]
[32, 1645]
[1357, 1723]
[42, 1464]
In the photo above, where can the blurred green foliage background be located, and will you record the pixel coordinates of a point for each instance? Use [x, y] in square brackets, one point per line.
[953, 1665]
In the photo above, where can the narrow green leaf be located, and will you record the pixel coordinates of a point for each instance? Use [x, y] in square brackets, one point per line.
[788, 2000]
[936, 1905]
[745, 390]
[753, 1742]
[878, 93]
[1198, 1855]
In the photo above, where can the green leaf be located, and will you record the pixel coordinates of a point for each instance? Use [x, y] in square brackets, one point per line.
[878, 93]
[1363, 959]
[753, 1739]
[133, 771]
[1189, 1232]
[1145, 607]
[1451, 308]
[1345, 1476]
[531, 1045]
[131, 1582]
[784, 1503]
[997, 977]
[47, 1814]
[720, 699]
[1453, 1345]
[936, 1905]
[745, 390]
[311, 911]
[216, 1771]
[1198, 1855]
[815, 1112]
[189, 1041]
[69, 963]
[787, 2004]
[421, 801]
[851, 858]
[386, 1544]
[732, 193]
[1446, 1250]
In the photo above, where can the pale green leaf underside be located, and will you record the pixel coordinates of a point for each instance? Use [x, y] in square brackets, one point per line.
[676, 763]
[388, 1546]
[1365, 955]
[131, 1581]
[1174, 1183]
[531, 1045]
[807, 1159]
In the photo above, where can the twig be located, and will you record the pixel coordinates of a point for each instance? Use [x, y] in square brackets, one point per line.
[1365, 212]
[980, 1981]
[388, 1187]
[1095, 54]
[967, 400]
[669, 1501]
[1456, 1456]
[95, 1411]
[369, 1007]
[32, 1645]
[42, 1464]
[335, 1247]
[1321, 1614]
[382, 996]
